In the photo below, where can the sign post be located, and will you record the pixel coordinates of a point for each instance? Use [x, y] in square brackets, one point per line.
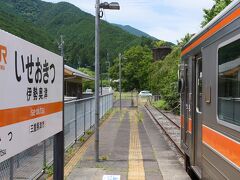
[58, 159]
[31, 95]
[58, 147]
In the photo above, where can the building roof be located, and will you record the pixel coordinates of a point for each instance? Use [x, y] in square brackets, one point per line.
[71, 72]
[161, 47]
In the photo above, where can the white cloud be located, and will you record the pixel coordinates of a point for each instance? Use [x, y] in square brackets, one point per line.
[172, 34]
[187, 4]
[165, 19]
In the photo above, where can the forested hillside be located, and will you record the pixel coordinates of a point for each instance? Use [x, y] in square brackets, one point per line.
[134, 31]
[26, 30]
[42, 23]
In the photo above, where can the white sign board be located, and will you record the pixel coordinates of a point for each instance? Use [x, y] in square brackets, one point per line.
[31, 82]
[111, 177]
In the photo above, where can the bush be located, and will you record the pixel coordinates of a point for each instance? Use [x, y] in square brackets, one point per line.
[162, 104]
[163, 78]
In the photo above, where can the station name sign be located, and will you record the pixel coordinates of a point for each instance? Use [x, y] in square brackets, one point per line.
[31, 96]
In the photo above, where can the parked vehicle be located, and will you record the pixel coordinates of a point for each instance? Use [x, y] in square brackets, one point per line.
[210, 98]
[89, 91]
[107, 90]
[145, 94]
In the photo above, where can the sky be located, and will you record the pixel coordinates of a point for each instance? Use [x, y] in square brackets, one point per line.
[167, 20]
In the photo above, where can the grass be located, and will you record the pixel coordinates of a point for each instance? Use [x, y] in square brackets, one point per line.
[161, 104]
[70, 150]
[104, 158]
[108, 113]
[139, 115]
[48, 170]
[99, 166]
[89, 132]
[122, 115]
[125, 95]
[82, 139]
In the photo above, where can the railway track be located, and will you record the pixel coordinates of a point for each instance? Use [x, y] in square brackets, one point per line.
[170, 127]
[170, 117]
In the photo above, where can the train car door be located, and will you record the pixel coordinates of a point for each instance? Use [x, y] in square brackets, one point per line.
[197, 114]
[187, 130]
[185, 104]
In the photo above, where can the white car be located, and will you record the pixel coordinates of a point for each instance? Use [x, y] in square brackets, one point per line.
[88, 91]
[145, 94]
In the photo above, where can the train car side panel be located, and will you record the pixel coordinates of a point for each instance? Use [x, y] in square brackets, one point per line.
[221, 98]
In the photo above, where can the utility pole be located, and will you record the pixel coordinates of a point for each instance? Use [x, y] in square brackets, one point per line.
[61, 46]
[97, 19]
[98, 15]
[101, 71]
[108, 69]
[120, 81]
[58, 148]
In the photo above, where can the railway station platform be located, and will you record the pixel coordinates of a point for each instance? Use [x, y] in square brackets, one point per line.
[132, 147]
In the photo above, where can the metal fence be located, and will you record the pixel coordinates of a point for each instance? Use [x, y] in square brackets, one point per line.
[79, 118]
[128, 100]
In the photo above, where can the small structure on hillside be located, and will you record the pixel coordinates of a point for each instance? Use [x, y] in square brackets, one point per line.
[73, 80]
[161, 52]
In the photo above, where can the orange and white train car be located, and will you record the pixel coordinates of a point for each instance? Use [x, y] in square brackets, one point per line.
[210, 98]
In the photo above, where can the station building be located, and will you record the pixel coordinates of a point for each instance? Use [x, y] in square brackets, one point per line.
[73, 83]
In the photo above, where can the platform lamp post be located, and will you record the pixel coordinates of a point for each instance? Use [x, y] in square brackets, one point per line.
[108, 62]
[121, 57]
[120, 81]
[98, 15]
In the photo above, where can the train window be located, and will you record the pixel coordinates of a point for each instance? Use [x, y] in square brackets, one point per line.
[229, 83]
[199, 85]
[181, 85]
[180, 78]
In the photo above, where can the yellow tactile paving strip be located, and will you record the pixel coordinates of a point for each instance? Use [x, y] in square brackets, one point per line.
[135, 158]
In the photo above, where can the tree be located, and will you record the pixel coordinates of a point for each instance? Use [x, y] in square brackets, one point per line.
[185, 40]
[163, 77]
[163, 74]
[87, 84]
[135, 68]
[209, 14]
[157, 44]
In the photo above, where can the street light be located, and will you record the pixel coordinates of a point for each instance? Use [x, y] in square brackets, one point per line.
[120, 79]
[108, 62]
[112, 5]
[98, 15]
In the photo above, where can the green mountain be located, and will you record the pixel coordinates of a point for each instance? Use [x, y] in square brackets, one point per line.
[17, 26]
[134, 31]
[42, 23]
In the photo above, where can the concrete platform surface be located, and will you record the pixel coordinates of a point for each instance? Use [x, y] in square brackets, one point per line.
[131, 146]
